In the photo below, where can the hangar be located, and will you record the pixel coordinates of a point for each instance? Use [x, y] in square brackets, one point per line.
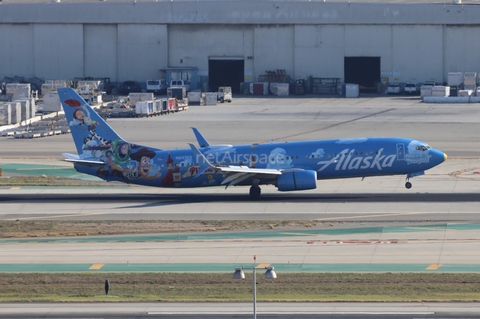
[228, 42]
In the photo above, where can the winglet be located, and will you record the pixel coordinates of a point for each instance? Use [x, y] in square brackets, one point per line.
[202, 141]
[201, 160]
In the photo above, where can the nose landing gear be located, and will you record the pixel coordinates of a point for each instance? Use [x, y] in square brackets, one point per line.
[408, 185]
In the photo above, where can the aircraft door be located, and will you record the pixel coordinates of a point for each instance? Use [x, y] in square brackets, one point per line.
[400, 151]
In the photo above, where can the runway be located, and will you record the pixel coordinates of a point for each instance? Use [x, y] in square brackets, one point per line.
[447, 193]
[244, 310]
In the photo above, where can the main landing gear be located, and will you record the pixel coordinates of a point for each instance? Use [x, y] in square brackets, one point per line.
[255, 190]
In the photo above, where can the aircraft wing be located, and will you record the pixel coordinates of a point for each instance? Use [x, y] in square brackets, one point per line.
[235, 174]
[76, 159]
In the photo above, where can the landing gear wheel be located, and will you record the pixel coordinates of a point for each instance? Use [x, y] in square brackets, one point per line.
[408, 185]
[255, 192]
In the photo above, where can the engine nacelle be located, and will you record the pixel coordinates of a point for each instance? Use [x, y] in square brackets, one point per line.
[297, 180]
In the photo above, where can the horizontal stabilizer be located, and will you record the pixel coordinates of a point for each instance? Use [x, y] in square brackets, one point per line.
[76, 159]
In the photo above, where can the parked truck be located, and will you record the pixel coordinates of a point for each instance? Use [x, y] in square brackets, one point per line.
[180, 83]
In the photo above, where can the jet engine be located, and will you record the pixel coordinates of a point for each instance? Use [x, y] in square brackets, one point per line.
[297, 180]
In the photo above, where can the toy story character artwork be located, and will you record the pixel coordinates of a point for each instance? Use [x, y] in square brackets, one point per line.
[116, 159]
[93, 142]
[145, 169]
[122, 152]
[111, 168]
[172, 177]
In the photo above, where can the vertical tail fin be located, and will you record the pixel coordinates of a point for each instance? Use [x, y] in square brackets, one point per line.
[90, 132]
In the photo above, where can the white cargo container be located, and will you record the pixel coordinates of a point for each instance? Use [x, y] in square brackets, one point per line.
[133, 98]
[440, 90]
[144, 108]
[279, 89]
[51, 102]
[470, 78]
[470, 87]
[210, 98]
[53, 85]
[24, 109]
[147, 96]
[33, 105]
[455, 78]
[426, 90]
[16, 112]
[88, 87]
[5, 114]
[194, 97]
[283, 89]
[352, 90]
[19, 90]
[157, 106]
[465, 93]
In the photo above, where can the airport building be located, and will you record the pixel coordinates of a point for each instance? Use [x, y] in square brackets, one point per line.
[224, 42]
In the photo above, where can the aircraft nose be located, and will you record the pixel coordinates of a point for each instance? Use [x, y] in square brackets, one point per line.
[439, 156]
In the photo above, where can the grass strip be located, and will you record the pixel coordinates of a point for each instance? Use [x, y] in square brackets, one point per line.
[15, 181]
[134, 287]
[45, 228]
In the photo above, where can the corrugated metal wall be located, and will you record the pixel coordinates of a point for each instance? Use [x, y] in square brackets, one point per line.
[139, 51]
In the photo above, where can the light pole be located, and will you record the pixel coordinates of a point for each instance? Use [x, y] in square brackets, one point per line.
[269, 274]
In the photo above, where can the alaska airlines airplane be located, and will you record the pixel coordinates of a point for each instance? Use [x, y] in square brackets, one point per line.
[290, 166]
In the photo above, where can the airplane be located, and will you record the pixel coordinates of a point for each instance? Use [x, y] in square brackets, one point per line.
[290, 166]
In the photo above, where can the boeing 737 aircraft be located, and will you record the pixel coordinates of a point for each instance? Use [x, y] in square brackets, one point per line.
[290, 166]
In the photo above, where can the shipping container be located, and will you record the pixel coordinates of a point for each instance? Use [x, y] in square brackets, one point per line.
[144, 108]
[455, 78]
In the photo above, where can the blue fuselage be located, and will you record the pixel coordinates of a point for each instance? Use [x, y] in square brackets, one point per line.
[341, 158]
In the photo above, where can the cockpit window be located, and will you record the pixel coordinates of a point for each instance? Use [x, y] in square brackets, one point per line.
[423, 147]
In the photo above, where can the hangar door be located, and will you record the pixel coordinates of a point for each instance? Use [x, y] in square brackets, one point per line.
[364, 71]
[225, 72]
